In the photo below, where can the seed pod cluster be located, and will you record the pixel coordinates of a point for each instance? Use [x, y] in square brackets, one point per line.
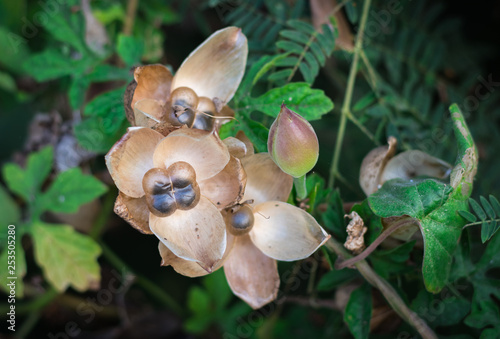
[168, 190]
[186, 108]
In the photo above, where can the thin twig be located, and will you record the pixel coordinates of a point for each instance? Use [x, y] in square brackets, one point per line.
[130, 18]
[387, 291]
[348, 95]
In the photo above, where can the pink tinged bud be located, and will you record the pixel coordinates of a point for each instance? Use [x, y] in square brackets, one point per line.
[293, 144]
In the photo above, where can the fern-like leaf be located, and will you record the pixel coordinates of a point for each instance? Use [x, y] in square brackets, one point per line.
[308, 50]
[489, 214]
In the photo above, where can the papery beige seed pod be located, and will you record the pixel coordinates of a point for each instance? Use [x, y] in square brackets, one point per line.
[373, 164]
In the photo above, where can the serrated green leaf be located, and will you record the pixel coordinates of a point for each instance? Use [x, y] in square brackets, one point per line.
[300, 97]
[70, 190]
[66, 257]
[26, 183]
[62, 31]
[129, 49]
[358, 312]
[107, 104]
[99, 134]
[487, 207]
[18, 262]
[468, 216]
[9, 211]
[477, 209]
[50, 64]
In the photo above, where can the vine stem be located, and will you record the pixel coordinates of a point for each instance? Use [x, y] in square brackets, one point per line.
[389, 293]
[345, 112]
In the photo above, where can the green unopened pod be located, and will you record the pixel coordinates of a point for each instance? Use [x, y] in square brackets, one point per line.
[293, 144]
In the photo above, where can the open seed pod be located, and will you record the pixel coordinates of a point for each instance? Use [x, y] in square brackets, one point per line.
[380, 165]
[196, 96]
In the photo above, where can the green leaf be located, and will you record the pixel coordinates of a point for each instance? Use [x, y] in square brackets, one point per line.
[358, 312]
[258, 69]
[368, 99]
[255, 131]
[391, 262]
[424, 200]
[468, 216]
[477, 209]
[130, 49]
[70, 190]
[300, 97]
[19, 261]
[488, 229]
[496, 205]
[26, 183]
[106, 72]
[217, 286]
[62, 31]
[107, 122]
[51, 64]
[66, 257]
[99, 134]
[435, 206]
[9, 211]
[199, 304]
[77, 91]
[352, 12]
[487, 207]
[7, 82]
[440, 311]
[334, 278]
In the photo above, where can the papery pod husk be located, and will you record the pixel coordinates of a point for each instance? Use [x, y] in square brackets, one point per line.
[415, 163]
[373, 165]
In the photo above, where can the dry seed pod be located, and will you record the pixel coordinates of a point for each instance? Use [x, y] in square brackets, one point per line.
[373, 165]
[185, 97]
[239, 219]
[171, 189]
[159, 195]
[148, 113]
[415, 163]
